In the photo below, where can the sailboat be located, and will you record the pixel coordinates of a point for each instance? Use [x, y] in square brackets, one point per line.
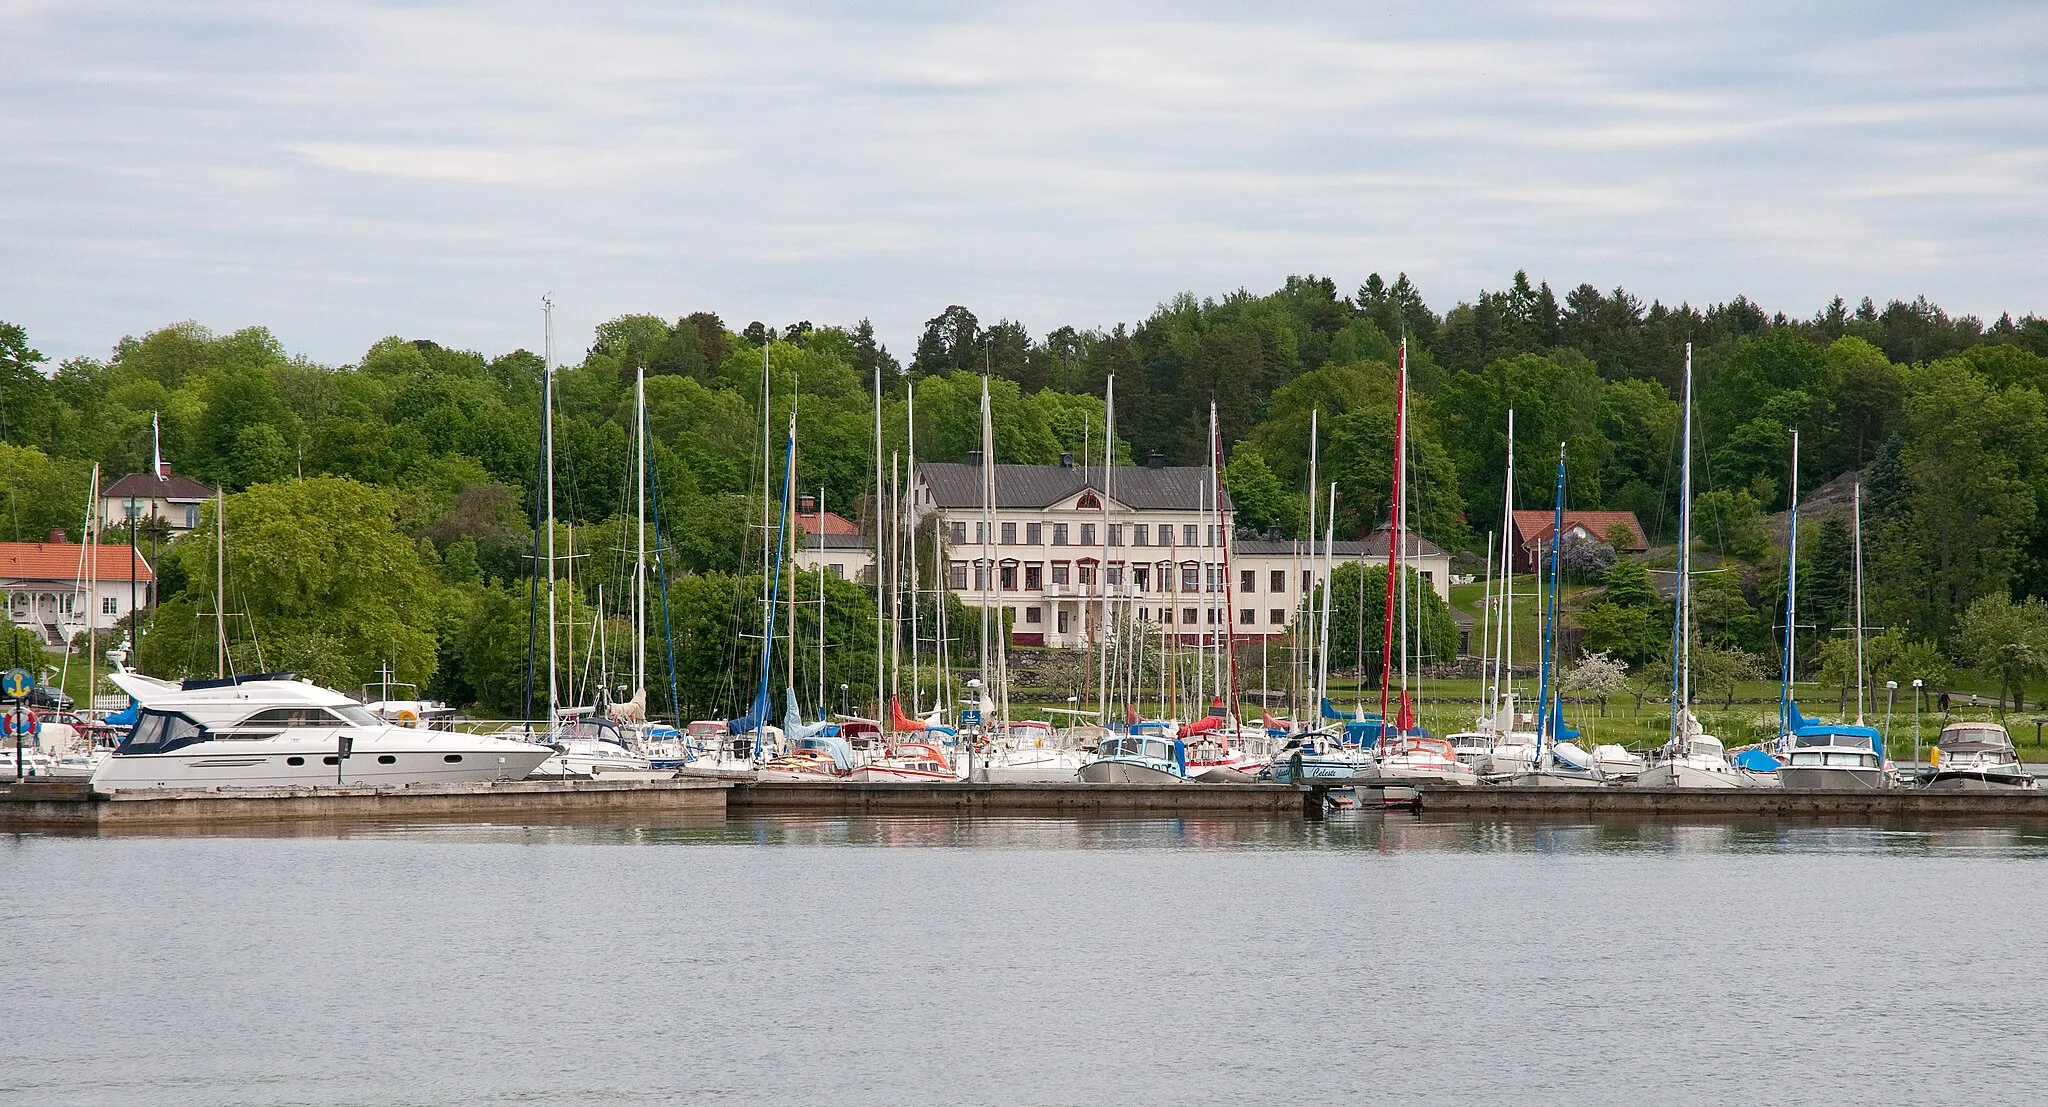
[1844, 755]
[1322, 753]
[1691, 758]
[1557, 762]
[1407, 753]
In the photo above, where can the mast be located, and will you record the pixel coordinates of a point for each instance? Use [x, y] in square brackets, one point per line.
[640, 540]
[880, 620]
[1857, 516]
[987, 571]
[1681, 619]
[1308, 601]
[910, 471]
[1102, 620]
[1486, 687]
[1546, 719]
[220, 581]
[1504, 669]
[1323, 647]
[1223, 536]
[824, 712]
[895, 518]
[1791, 598]
[788, 518]
[1394, 550]
[768, 621]
[547, 442]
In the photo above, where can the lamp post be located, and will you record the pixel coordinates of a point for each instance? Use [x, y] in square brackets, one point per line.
[845, 703]
[1891, 689]
[1916, 724]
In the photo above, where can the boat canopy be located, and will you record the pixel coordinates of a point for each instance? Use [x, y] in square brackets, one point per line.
[162, 732]
[1757, 761]
[1331, 713]
[1973, 738]
[833, 747]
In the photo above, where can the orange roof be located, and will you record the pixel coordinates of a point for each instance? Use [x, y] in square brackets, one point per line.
[814, 522]
[62, 561]
[1534, 526]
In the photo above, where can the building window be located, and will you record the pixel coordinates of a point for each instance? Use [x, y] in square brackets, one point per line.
[1141, 534]
[838, 571]
[1187, 535]
[1113, 575]
[1141, 576]
[959, 533]
[1034, 577]
[1009, 534]
[1033, 615]
[1215, 578]
[1427, 578]
[1248, 581]
[1279, 583]
[1211, 613]
[1277, 616]
[1087, 575]
[1116, 534]
[191, 517]
[1087, 534]
[1059, 534]
[132, 509]
[1060, 573]
[1308, 582]
[1166, 534]
[110, 606]
[1212, 536]
[1009, 578]
[1247, 616]
[1190, 578]
[980, 576]
[1187, 615]
[1061, 617]
[959, 575]
[980, 533]
[1034, 534]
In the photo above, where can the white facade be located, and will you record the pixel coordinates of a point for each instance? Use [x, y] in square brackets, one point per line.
[46, 593]
[1171, 567]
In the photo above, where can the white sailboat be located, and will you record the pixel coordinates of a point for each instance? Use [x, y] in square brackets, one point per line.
[1690, 758]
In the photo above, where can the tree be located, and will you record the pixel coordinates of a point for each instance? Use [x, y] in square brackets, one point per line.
[1584, 561]
[1722, 668]
[2007, 639]
[1262, 503]
[1358, 614]
[320, 571]
[1597, 675]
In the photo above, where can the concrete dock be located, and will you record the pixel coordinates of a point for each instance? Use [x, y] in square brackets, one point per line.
[72, 806]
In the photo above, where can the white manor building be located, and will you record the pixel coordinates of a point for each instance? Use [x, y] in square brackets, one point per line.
[1056, 544]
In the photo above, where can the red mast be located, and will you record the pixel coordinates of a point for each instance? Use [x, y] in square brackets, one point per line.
[1223, 538]
[1394, 521]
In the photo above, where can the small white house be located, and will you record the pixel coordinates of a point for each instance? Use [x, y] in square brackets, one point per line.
[54, 590]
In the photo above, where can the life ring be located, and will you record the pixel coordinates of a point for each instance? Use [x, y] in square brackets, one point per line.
[407, 716]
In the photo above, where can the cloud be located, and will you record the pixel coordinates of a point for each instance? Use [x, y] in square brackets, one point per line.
[342, 172]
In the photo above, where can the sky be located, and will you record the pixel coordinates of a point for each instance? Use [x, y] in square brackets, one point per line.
[342, 172]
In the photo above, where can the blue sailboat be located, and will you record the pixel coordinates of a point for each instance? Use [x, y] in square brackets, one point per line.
[1559, 762]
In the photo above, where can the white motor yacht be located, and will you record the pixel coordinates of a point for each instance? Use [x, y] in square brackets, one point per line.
[271, 730]
[1976, 757]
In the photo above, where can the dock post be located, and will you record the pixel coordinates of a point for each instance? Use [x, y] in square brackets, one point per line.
[1314, 798]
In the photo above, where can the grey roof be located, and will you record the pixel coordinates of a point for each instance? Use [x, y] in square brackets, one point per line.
[838, 542]
[1375, 546]
[1022, 487]
[149, 486]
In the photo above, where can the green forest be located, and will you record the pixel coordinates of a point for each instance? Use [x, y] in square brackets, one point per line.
[384, 510]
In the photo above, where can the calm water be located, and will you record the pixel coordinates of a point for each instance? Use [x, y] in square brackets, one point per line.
[915, 961]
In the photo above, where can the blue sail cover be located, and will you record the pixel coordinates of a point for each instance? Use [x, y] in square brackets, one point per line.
[1331, 713]
[836, 748]
[1757, 761]
[1803, 727]
[752, 720]
[793, 724]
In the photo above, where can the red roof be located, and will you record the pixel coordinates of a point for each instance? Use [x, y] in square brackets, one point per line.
[825, 523]
[62, 561]
[1534, 526]
[148, 486]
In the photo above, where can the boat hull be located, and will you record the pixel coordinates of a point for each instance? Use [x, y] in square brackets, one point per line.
[368, 765]
[1546, 778]
[1669, 775]
[1832, 778]
[1978, 780]
[1127, 772]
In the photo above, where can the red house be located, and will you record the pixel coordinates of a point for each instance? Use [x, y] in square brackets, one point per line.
[1532, 532]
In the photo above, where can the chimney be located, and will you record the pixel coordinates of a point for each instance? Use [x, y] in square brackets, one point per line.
[807, 505]
[974, 457]
[1066, 461]
[58, 537]
[1155, 460]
